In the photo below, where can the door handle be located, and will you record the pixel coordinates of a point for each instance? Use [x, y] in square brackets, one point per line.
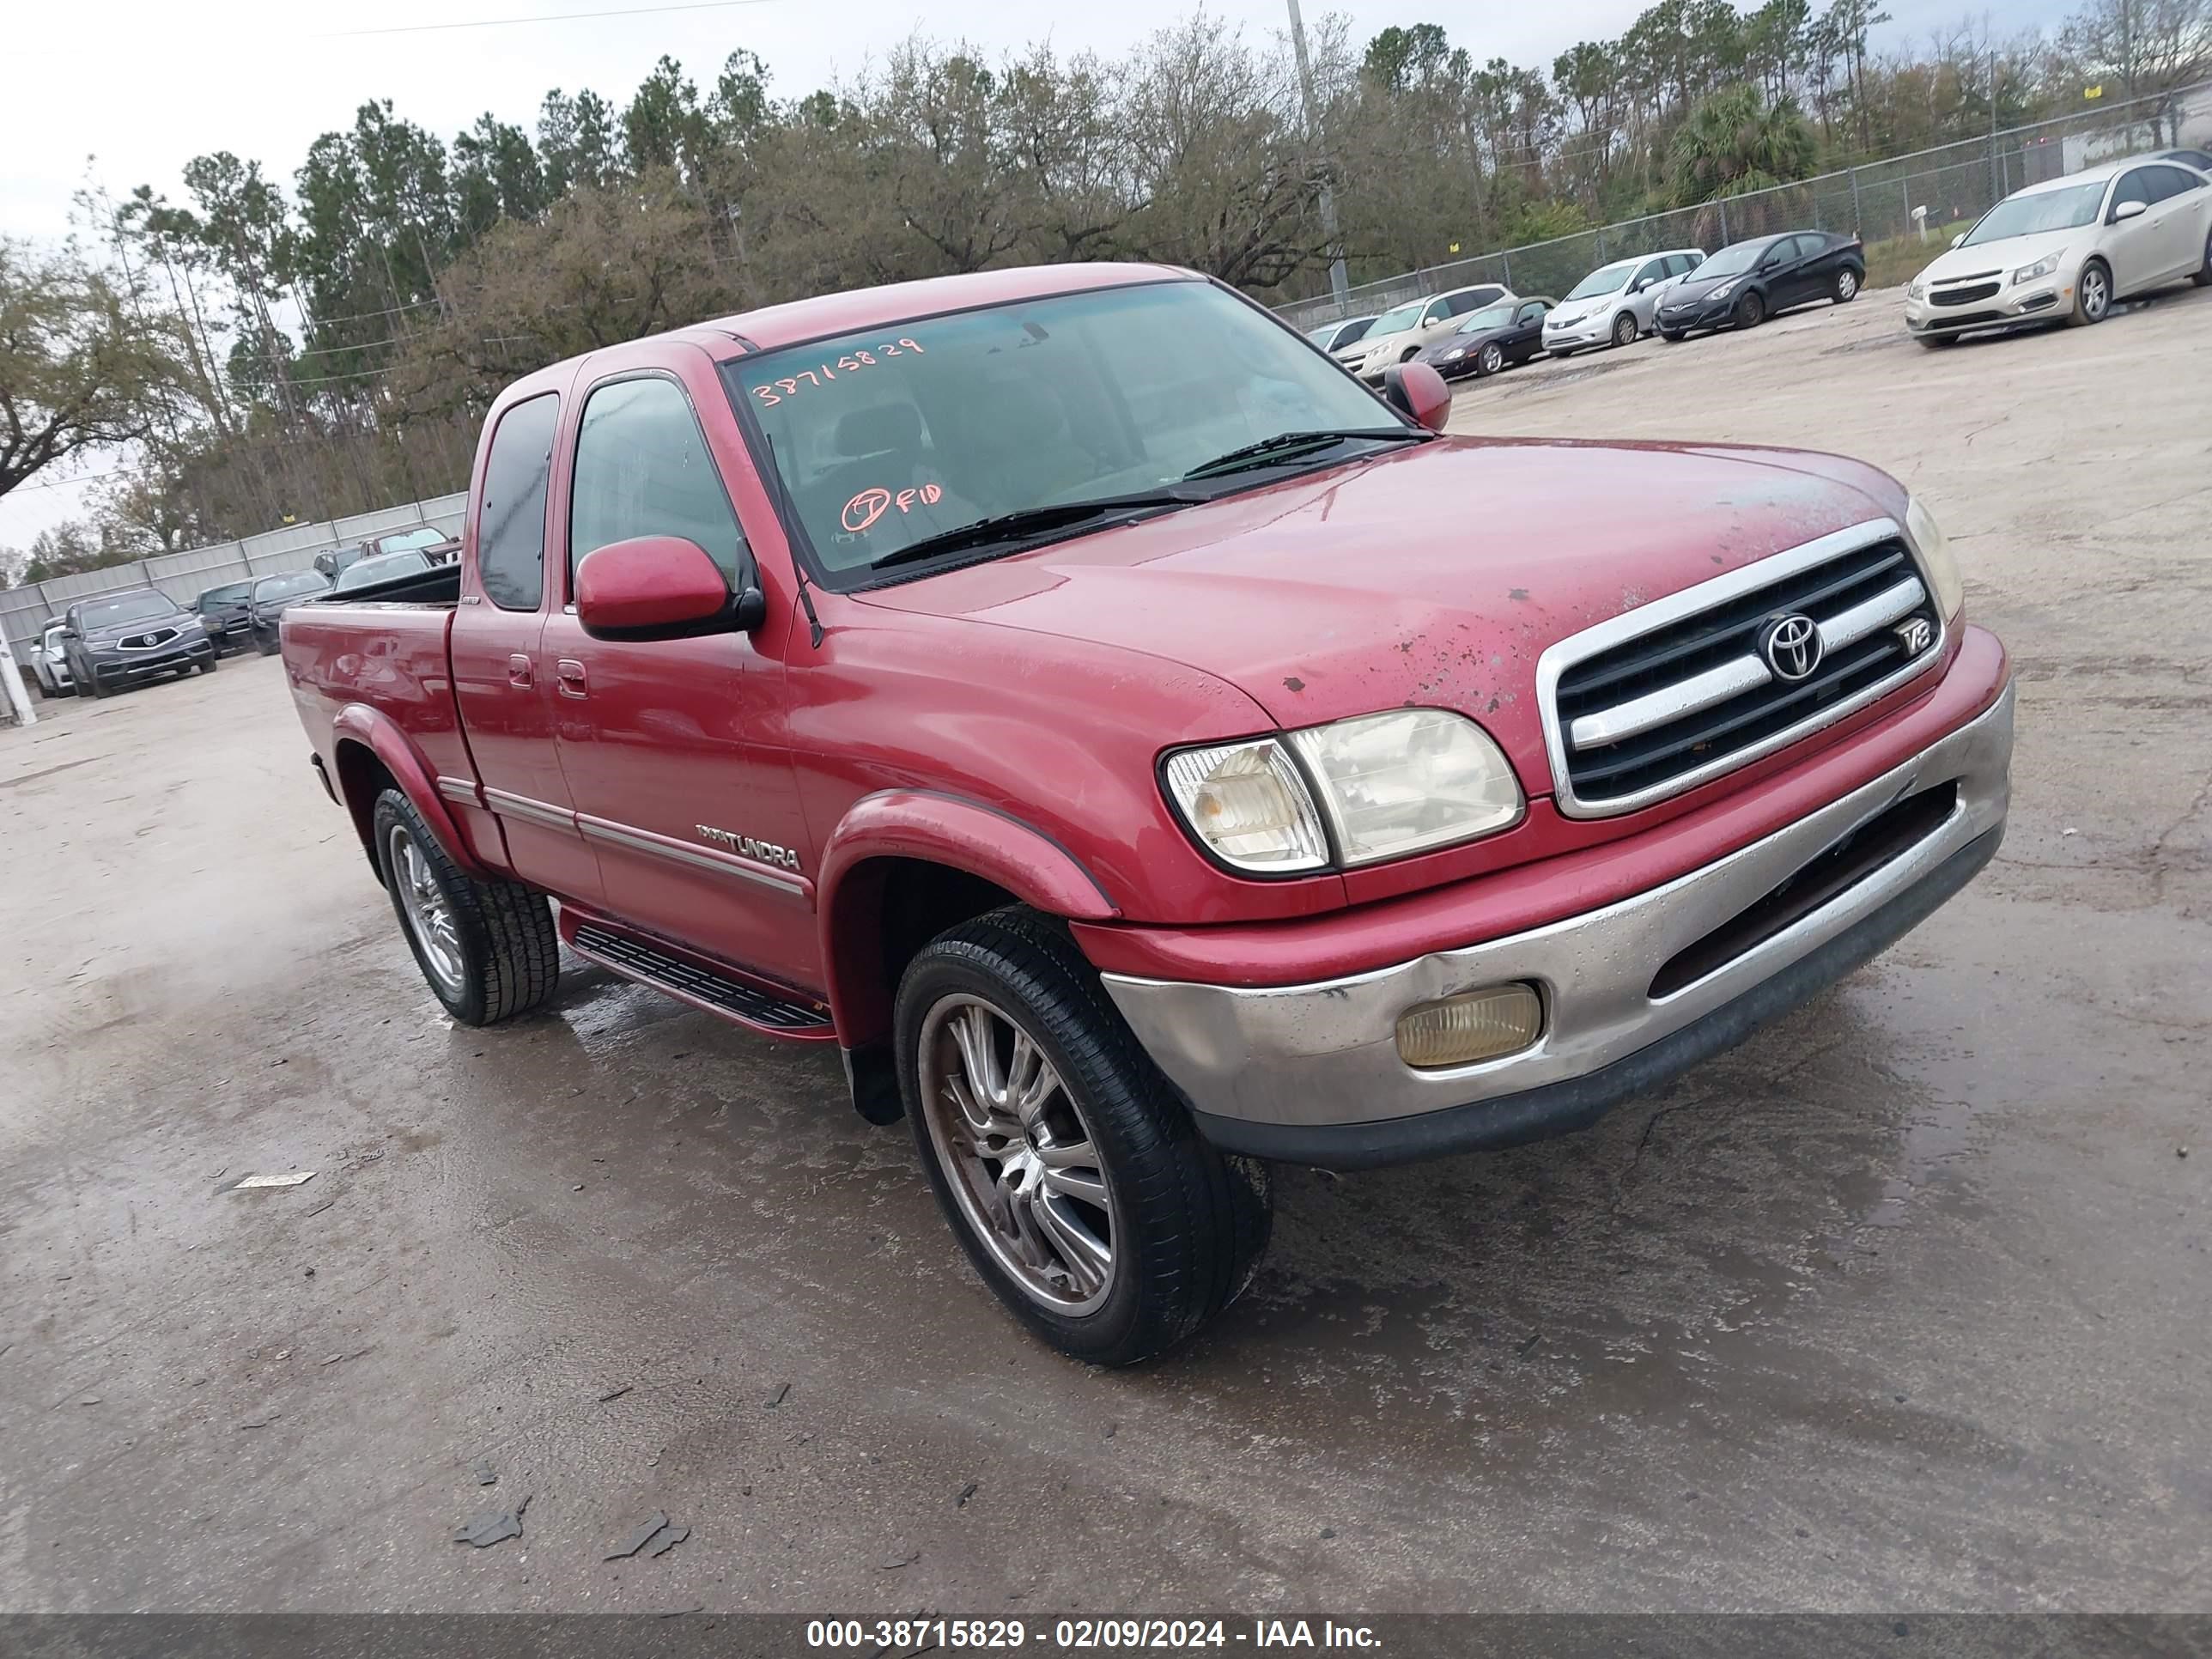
[570, 675]
[518, 671]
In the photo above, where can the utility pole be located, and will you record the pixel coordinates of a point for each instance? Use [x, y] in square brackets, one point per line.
[1338, 288]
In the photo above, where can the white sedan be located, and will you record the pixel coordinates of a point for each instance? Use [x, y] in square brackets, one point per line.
[2068, 249]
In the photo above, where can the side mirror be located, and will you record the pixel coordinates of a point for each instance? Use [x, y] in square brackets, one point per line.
[1639, 285]
[1959, 238]
[2128, 210]
[660, 588]
[1417, 392]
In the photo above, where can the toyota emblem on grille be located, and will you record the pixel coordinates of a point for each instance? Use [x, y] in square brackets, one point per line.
[1791, 645]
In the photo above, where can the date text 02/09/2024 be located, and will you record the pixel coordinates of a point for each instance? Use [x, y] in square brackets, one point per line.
[1084, 1635]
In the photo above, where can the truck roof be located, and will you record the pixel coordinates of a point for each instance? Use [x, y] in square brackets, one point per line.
[850, 312]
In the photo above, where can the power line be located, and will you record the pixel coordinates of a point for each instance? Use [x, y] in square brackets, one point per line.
[543, 17]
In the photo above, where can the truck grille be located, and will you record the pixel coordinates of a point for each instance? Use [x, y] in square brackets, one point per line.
[150, 641]
[1641, 714]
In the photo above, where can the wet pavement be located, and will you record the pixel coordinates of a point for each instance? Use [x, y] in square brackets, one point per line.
[1904, 1304]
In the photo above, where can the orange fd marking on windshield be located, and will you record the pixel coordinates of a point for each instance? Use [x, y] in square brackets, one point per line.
[871, 504]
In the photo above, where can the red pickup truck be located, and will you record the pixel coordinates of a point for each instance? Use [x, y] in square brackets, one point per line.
[1147, 752]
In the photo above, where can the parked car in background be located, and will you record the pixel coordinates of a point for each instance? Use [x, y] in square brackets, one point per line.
[1744, 284]
[273, 595]
[405, 541]
[1616, 302]
[1511, 331]
[331, 560]
[117, 640]
[1334, 337]
[223, 612]
[838, 714]
[366, 572]
[1398, 336]
[2199, 159]
[50, 661]
[2066, 250]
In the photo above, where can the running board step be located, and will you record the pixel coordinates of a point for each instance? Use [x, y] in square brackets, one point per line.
[665, 971]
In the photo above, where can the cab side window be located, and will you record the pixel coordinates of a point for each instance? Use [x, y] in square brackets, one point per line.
[511, 530]
[2170, 181]
[642, 469]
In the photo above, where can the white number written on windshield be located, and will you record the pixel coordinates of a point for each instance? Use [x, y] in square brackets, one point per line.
[775, 392]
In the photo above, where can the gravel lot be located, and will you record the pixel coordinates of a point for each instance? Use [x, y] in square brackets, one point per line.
[1905, 1304]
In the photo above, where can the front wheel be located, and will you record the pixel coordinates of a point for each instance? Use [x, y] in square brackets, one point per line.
[1562, 354]
[208, 667]
[1750, 311]
[487, 948]
[1490, 359]
[1847, 286]
[1073, 1177]
[2093, 295]
[1624, 329]
[1935, 341]
[269, 648]
[1673, 336]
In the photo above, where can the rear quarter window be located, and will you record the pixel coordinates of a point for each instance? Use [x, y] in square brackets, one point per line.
[511, 521]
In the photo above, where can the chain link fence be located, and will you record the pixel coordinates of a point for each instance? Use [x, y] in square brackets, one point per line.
[24, 610]
[1878, 200]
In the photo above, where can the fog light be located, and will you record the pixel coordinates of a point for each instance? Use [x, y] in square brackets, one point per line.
[1474, 1026]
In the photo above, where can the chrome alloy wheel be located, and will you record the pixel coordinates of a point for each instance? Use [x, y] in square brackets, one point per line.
[2096, 293]
[1017, 1154]
[423, 905]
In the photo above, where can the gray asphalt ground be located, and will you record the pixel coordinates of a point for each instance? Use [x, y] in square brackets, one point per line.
[1902, 1305]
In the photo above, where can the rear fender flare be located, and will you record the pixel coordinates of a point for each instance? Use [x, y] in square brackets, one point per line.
[930, 827]
[358, 725]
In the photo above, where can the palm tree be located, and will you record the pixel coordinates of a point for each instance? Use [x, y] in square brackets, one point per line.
[1734, 142]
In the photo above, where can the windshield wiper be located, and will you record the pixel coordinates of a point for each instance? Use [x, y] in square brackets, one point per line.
[1286, 446]
[1029, 521]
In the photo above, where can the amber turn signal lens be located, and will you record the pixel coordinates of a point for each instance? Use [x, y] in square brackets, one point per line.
[1473, 1026]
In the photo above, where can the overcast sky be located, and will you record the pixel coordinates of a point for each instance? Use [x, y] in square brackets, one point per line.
[125, 92]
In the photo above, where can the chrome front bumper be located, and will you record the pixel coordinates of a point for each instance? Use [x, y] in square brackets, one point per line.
[1294, 1070]
[2040, 302]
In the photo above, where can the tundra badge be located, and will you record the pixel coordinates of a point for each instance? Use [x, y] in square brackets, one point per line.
[767, 852]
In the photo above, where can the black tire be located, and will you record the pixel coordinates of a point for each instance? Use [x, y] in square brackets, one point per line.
[1673, 336]
[1750, 311]
[2093, 295]
[89, 685]
[510, 953]
[1935, 341]
[1189, 1225]
[269, 648]
[207, 667]
[1624, 330]
[2202, 275]
[1562, 354]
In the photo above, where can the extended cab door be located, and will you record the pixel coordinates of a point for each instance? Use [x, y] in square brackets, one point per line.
[501, 680]
[674, 749]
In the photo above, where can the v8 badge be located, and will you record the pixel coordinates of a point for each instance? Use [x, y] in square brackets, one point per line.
[1915, 632]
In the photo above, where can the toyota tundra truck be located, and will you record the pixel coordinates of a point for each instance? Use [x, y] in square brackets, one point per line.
[1147, 753]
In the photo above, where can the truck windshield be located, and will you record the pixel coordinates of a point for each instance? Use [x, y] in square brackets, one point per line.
[2036, 211]
[901, 434]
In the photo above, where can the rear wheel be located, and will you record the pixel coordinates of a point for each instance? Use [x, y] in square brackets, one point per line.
[2093, 295]
[1750, 311]
[487, 948]
[1061, 1156]
[1847, 286]
[1624, 329]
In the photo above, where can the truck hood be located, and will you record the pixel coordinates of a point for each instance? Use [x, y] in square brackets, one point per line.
[1431, 576]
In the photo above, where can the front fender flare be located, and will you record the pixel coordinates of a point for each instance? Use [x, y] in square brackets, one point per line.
[384, 737]
[930, 827]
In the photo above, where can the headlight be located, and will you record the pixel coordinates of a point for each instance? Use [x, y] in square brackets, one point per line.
[1247, 804]
[1407, 781]
[1727, 288]
[1455, 354]
[1935, 556]
[1389, 785]
[1915, 289]
[2042, 267]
